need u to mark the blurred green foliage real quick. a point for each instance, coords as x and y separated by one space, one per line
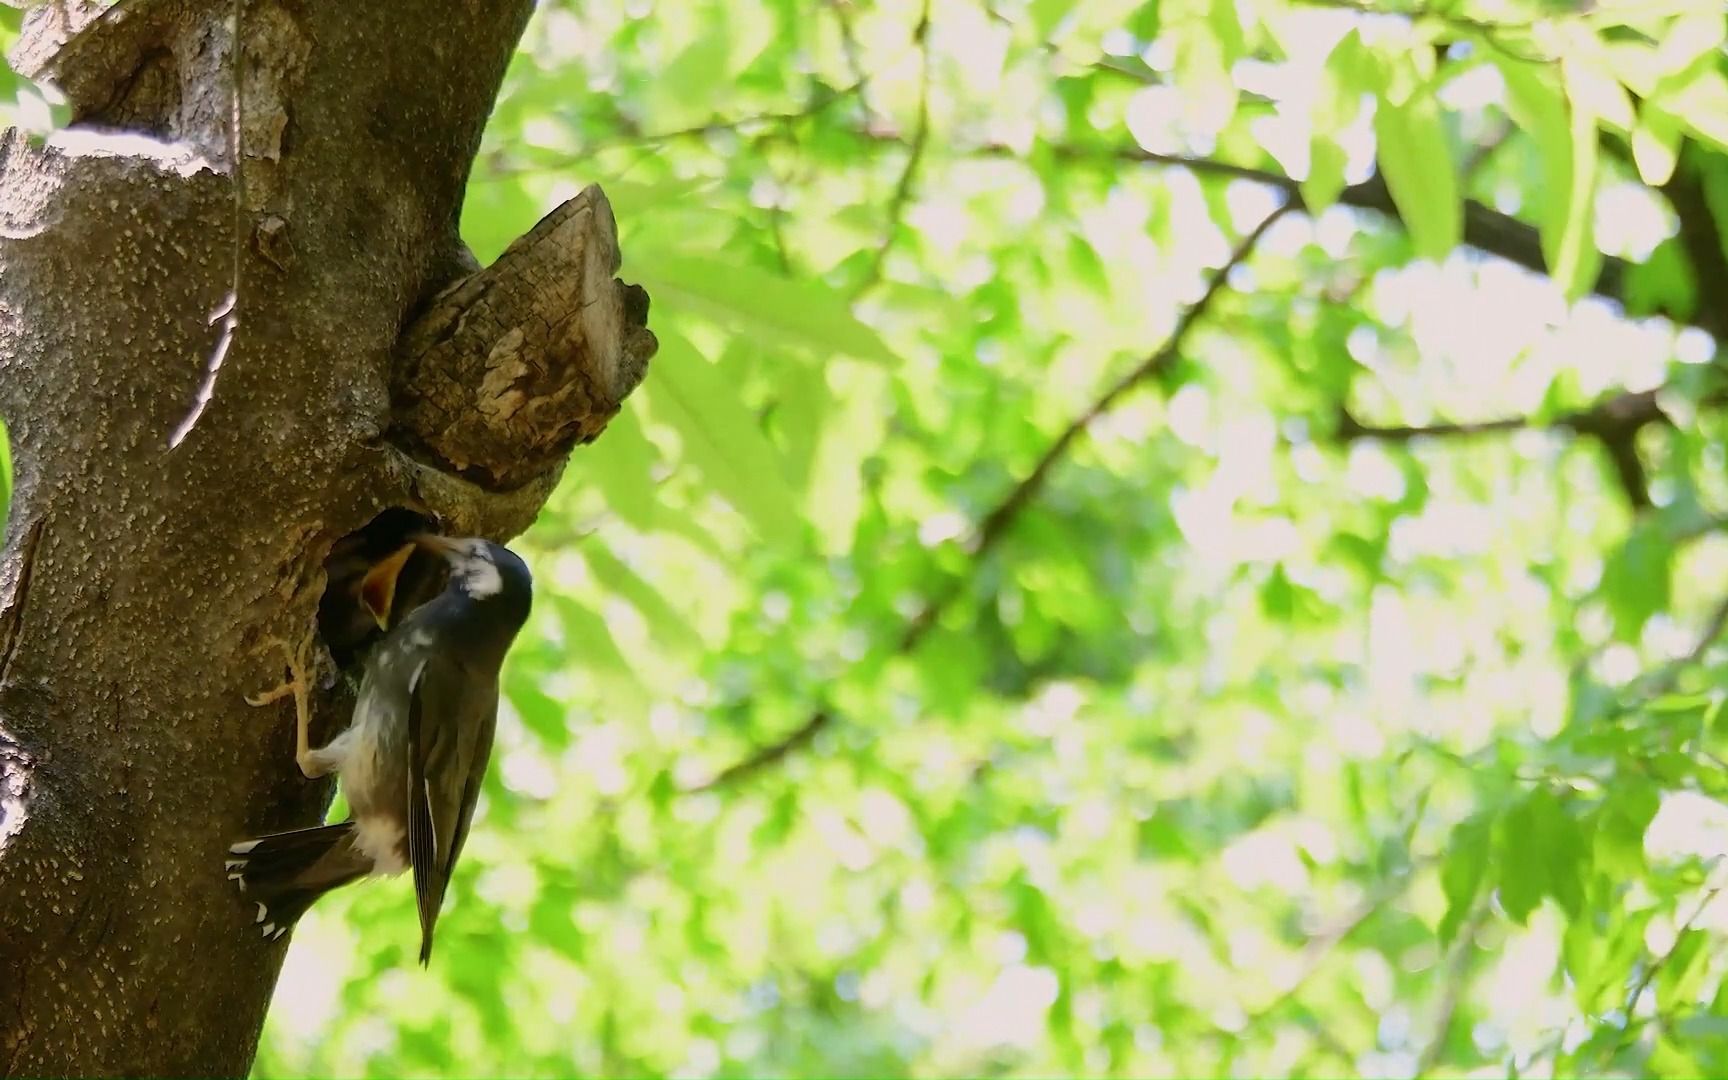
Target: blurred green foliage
1257 718
934 673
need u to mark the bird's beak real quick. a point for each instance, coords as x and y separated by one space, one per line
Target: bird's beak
378 587
443 545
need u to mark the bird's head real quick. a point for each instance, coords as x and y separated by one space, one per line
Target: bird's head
480 569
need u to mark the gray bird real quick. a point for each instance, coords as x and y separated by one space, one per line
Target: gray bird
412 761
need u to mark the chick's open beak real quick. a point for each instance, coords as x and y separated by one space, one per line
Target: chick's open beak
378 587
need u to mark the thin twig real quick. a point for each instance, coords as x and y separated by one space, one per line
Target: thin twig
820 101
818 104
1320 945
1656 965
849 45
1614 422
769 755
996 523
1665 678
1615 416
1485 229
1459 964
914 158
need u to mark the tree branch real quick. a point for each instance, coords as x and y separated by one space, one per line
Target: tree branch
1656 965
1458 969
1614 422
1485 229
1319 946
995 524
1665 678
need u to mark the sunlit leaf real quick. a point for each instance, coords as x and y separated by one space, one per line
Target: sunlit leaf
1636 579
722 439
804 313
669 628
1417 162
1351 72
1565 136
1462 874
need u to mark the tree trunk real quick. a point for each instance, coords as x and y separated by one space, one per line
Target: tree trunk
143 584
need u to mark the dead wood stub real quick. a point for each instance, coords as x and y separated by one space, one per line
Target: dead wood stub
514 365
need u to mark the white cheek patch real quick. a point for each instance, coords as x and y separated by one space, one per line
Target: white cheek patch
481 579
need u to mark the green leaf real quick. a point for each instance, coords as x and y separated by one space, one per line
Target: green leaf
721 438
1626 814
1462 872
621 463
1523 878
1541 853
1416 160
1277 597
1045 15
690 76
542 714
1203 69
1565 137
668 628
1144 23
1702 104
1636 579
1696 96
1351 71
1714 171
1655 145
632 202
1695 36
1600 951
802 409
803 313
495 211
1662 283
1678 983
593 648
1561 840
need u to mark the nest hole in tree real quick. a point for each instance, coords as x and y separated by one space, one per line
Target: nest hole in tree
345 622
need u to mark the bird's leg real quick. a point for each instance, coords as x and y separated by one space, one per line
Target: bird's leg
312 762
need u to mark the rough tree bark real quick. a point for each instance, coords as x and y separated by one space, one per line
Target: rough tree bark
141 585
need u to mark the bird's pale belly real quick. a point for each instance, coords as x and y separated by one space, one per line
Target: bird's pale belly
375 781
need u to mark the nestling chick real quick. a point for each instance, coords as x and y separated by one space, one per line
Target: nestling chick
412 761
373 577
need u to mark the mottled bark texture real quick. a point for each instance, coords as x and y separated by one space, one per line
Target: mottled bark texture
510 368
141 586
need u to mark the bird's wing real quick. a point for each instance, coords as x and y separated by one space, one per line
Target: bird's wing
480 755
451 716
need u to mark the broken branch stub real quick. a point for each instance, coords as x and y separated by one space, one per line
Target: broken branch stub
514 365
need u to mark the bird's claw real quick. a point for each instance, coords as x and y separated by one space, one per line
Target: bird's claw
270 696
299 662
299 685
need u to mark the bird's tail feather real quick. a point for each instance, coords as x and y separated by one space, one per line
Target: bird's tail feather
284 873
